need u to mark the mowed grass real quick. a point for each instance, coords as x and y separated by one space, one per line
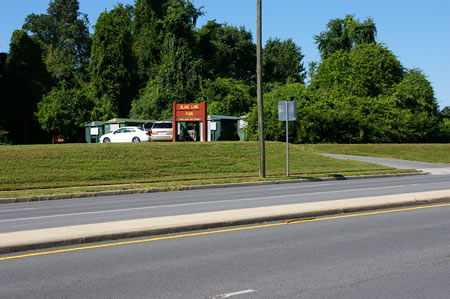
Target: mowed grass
434 153
32 170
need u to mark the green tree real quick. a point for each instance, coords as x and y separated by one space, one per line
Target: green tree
345 34
181 19
282 62
3 97
366 71
26 80
444 125
415 92
66 111
350 119
445 112
444 130
274 129
112 67
3 111
415 95
178 80
3 57
154 22
64 36
148 34
178 76
227 96
330 118
228 51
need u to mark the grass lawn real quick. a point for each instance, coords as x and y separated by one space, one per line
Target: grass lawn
32 170
435 153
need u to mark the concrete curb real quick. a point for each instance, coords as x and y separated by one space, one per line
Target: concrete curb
197 187
81 234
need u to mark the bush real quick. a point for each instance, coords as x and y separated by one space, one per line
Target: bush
3 139
65 111
275 129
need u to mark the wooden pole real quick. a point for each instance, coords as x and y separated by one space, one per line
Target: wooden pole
262 150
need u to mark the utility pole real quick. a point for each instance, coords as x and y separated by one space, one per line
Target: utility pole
259 90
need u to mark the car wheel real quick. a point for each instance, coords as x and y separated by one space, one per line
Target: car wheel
106 140
136 139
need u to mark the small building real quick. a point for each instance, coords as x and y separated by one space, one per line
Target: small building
222 127
93 131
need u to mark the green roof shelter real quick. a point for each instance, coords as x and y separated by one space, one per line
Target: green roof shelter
222 127
116 123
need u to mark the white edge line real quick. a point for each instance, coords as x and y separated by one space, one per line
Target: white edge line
16 210
234 294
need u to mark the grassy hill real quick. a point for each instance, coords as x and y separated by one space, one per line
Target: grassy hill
31 170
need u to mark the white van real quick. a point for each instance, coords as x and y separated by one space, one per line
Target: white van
162 131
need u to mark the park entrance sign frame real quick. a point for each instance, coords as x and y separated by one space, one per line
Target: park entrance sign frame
190 112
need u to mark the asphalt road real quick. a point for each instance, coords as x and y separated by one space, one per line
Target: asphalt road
403 254
59 213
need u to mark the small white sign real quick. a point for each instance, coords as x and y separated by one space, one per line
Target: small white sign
290 114
243 124
212 125
94 131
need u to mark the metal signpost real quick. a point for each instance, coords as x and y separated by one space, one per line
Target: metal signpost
287 111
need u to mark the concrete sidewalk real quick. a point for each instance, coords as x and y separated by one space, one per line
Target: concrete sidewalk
80 234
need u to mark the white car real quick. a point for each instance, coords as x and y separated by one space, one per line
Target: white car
126 134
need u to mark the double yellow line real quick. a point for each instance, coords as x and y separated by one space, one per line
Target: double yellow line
221 231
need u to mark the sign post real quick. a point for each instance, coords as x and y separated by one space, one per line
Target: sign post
287 111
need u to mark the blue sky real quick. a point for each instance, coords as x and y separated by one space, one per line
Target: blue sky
416 31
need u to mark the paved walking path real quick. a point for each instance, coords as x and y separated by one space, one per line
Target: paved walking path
431 168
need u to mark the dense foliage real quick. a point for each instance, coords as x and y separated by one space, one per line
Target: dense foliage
345 34
112 67
142 58
63 34
228 52
282 61
65 111
26 80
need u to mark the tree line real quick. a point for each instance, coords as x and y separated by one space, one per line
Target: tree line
140 59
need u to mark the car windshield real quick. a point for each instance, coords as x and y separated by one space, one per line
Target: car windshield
162 126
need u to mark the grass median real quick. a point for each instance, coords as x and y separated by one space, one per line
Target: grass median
35 170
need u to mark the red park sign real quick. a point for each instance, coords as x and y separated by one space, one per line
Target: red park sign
189 112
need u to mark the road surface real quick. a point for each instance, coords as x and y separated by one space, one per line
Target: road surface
402 254
59 213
